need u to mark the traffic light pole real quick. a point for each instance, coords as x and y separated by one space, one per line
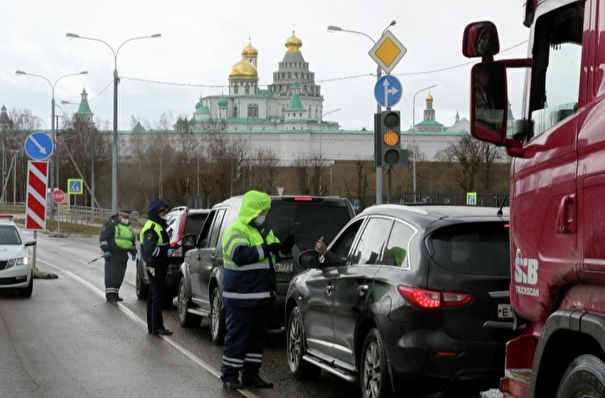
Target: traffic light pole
376 137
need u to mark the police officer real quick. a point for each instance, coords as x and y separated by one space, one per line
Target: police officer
155 250
250 249
116 241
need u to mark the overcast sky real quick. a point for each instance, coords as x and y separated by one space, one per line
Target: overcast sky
201 40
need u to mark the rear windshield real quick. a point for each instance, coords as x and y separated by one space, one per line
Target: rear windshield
316 219
473 248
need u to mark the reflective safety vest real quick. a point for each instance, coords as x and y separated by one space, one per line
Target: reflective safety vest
152 225
124 236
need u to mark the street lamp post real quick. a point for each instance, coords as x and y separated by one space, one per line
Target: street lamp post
52 102
333 28
116 80
414 137
320 149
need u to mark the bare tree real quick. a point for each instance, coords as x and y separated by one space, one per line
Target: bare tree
301 168
265 162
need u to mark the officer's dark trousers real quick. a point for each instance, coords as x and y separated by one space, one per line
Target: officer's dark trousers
244 342
115 269
155 300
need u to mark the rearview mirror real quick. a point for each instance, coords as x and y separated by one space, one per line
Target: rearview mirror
480 40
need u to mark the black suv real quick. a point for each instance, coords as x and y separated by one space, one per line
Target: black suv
409 299
181 222
200 289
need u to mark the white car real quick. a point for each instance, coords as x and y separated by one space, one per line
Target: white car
15 258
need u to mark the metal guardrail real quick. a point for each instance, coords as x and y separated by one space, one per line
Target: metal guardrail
72 214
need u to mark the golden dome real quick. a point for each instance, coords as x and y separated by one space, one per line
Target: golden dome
249 51
429 97
243 70
293 43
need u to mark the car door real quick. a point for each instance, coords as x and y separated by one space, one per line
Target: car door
317 312
352 286
209 254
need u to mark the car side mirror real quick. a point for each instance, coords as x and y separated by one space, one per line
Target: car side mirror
309 259
188 242
30 242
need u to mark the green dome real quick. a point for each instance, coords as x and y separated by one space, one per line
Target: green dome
223 102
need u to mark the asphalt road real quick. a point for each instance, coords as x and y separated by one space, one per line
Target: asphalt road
67 341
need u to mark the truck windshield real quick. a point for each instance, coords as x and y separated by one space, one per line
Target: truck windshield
557 55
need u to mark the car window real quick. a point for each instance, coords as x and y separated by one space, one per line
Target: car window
195 222
216 228
397 249
9 235
372 242
342 246
316 220
473 248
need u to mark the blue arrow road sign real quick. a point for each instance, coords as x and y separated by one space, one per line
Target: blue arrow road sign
388 91
39 145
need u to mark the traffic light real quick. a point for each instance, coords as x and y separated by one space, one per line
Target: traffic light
388 140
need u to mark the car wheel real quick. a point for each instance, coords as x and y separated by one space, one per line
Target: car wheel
217 319
142 289
373 372
186 319
584 377
27 291
295 349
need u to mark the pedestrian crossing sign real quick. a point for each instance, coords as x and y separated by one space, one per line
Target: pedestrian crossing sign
74 186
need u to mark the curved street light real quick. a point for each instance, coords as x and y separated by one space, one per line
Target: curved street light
52 112
333 29
414 136
116 80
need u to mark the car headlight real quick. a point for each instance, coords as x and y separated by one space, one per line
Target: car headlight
18 261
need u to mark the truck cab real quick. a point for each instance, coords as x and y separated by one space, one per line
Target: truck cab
557 186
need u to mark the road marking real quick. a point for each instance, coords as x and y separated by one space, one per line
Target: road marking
143 323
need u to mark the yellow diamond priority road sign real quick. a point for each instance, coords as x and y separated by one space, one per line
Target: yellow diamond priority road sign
387 51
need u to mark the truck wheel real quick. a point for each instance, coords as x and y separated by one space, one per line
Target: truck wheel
295 349
217 319
584 378
186 319
373 372
141 288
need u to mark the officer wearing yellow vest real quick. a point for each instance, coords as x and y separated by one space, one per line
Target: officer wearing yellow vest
250 250
156 252
116 241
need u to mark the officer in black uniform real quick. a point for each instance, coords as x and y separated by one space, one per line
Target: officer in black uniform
156 252
117 242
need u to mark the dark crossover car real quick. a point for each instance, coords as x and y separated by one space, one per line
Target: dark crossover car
410 299
181 221
200 288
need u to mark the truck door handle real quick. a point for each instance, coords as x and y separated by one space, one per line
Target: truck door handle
566 220
363 288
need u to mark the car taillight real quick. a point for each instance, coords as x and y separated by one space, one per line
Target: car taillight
303 199
433 299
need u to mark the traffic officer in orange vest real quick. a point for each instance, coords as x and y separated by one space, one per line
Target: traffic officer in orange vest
156 252
117 242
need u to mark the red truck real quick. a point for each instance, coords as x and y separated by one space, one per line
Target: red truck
557 193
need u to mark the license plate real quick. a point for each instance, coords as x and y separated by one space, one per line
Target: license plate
285 268
505 311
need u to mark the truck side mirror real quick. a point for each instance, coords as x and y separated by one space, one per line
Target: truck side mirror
489 103
480 40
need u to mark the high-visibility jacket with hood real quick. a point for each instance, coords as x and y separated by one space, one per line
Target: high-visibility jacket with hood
249 274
